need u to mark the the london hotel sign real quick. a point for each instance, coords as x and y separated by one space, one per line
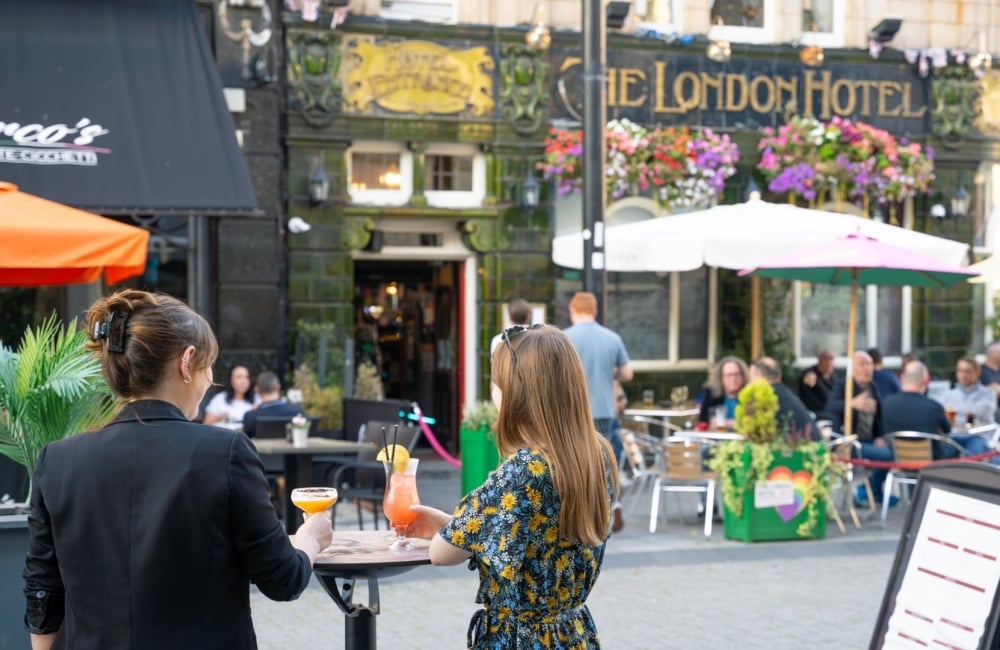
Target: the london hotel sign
648 87
748 93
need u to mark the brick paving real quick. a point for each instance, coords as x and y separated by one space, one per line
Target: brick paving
671 589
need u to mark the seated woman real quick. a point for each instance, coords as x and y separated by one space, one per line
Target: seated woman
728 377
231 404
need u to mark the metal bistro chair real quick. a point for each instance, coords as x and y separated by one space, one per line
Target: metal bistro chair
841 479
641 465
683 471
916 449
363 479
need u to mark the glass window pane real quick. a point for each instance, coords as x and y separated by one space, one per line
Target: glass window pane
694 314
448 173
638 308
817 15
824 319
375 171
739 13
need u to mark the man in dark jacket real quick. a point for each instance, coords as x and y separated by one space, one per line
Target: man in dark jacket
271 404
866 416
793 417
815 384
911 410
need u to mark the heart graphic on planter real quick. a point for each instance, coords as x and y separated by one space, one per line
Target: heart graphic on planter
800 483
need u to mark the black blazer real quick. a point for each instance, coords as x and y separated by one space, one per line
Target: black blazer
151 531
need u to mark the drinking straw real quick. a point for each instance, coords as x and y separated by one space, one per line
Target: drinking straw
395 430
385 444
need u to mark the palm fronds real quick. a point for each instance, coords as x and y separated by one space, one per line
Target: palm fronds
50 388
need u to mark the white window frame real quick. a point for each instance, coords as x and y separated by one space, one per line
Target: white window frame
765 34
835 38
399 196
393 12
458 198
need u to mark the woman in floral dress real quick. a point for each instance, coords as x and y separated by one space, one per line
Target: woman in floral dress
536 529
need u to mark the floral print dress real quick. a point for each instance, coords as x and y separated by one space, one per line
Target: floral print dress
532 584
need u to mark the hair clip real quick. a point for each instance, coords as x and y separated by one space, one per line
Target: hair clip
116 331
101 330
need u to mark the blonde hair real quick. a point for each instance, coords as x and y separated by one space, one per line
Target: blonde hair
545 406
154 329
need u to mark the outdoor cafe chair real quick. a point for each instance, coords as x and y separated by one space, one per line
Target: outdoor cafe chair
841 478
911 450
642 462
682 471
362 479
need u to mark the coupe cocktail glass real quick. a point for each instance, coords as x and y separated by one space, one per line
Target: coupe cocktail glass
400 494
312 500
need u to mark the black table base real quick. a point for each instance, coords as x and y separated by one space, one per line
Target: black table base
359 621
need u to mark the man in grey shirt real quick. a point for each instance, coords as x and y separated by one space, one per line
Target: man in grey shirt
604 358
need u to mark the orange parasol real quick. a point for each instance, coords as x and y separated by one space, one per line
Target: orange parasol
44 243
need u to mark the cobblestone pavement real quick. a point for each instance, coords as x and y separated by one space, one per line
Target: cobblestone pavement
671 589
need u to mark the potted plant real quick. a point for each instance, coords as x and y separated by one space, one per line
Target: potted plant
51 387
774 483
323 401
476 439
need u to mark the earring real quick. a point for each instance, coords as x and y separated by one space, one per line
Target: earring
187 379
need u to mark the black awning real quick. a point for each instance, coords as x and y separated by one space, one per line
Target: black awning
115 106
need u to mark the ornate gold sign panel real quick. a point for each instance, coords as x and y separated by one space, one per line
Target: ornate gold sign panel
987 105
417 77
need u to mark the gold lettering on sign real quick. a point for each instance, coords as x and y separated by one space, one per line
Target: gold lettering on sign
628 77
417 77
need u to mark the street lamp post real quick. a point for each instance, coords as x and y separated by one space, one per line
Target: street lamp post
594 119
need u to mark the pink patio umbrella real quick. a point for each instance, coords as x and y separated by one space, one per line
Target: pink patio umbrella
858 260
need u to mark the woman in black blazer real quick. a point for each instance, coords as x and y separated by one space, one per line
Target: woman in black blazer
147 533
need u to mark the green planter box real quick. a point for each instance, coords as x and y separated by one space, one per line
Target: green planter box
479 457
770 522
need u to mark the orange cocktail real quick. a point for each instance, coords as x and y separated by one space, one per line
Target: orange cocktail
314 500
400 494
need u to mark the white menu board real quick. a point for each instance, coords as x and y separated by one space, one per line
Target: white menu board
950 582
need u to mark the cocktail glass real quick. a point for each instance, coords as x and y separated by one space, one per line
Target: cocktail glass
400 494
312 500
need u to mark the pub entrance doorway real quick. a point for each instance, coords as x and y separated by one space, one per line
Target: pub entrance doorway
407 324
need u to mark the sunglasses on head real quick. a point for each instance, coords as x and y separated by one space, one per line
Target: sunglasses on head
513 332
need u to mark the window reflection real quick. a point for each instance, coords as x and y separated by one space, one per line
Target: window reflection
638 308
817 15
739 13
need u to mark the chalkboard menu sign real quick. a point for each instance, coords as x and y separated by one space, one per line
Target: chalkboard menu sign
943 589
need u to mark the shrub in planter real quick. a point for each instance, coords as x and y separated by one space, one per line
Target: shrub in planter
772 452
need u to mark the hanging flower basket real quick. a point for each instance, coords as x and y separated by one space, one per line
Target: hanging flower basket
673 165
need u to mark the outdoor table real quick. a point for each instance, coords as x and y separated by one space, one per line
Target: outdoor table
363 555
298 466
714 436
664 413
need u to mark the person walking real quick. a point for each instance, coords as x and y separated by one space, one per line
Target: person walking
148 532
519 312
536 530
605 359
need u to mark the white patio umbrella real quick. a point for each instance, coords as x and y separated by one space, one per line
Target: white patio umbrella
740 236
988 270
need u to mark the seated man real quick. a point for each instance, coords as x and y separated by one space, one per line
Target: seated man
815 384
271 404
793 417
972 403
911 410
866 417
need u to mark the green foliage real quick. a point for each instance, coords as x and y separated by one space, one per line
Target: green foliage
368 383
756 412
325 402
314 340
51 388
740 464
482 414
